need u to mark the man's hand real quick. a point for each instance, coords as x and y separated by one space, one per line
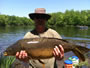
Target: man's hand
58 52
22 55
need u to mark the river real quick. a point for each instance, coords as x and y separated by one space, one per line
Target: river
9 35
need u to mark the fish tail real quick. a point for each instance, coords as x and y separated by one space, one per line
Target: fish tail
80 51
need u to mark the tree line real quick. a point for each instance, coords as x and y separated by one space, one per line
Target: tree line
69 17
6 20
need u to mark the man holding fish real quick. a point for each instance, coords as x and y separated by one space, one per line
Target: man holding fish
40 18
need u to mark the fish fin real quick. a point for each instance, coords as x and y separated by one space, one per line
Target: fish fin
83 49
80 51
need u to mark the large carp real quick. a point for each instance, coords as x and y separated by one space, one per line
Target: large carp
42 48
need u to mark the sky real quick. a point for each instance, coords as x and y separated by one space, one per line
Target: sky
22 8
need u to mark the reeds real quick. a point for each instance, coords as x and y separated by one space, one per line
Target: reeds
6 61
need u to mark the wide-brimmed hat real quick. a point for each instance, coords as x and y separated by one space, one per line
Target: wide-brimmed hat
39 12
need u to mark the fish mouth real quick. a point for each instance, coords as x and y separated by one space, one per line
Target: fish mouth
5 54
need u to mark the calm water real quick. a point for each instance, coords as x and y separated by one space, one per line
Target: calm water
9 35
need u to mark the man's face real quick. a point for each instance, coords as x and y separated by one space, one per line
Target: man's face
40 24
40 20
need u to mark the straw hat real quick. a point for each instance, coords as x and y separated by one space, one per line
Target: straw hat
39 12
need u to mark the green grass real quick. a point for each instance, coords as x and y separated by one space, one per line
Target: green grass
6 61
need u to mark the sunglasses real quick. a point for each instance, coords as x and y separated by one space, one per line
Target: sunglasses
40 17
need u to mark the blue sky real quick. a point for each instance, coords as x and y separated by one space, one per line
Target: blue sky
24 7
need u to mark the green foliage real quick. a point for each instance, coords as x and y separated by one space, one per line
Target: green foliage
6 20
69 17
6 61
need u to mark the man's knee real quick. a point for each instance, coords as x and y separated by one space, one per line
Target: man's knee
19 64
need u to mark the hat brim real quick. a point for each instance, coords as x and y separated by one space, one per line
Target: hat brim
33 15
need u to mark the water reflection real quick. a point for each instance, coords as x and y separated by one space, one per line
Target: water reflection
9 35
73 32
